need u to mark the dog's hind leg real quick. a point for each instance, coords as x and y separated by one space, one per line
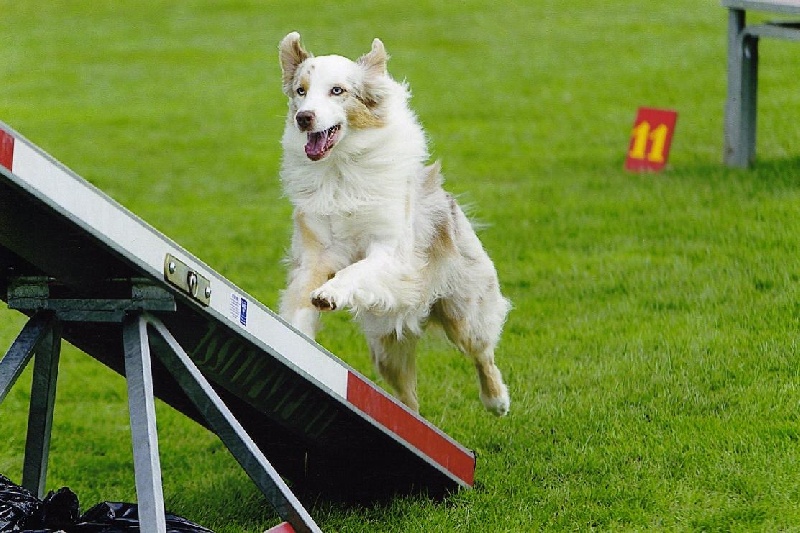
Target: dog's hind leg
475 331
395 361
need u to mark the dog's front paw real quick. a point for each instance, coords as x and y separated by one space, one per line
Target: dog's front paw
323 304
337 294
326 298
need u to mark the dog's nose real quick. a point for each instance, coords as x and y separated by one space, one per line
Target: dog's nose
305 120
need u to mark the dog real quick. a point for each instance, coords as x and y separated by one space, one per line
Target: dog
374 232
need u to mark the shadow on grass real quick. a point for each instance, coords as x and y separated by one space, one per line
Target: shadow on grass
783 172
230 504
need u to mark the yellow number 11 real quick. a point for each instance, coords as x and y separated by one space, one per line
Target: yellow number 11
642 134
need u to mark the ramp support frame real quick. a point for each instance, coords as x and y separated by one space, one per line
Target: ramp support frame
41 337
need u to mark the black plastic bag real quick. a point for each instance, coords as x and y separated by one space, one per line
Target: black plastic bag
108 517
59 510
21 511
16 505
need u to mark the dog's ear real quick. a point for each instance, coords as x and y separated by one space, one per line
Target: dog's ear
374 62
374 65
291 54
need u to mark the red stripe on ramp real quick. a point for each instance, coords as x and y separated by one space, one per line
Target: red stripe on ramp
395 418
6 150
285 527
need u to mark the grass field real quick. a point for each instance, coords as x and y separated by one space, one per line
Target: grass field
652 355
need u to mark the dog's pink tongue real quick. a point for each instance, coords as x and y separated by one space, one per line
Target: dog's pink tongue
315 147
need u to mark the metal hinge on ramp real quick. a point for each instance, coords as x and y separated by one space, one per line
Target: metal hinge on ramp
187 279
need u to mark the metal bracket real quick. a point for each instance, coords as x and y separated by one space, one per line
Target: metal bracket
187 279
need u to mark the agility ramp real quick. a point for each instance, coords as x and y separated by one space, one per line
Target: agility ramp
85 269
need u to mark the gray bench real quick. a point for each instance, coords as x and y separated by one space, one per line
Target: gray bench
740 106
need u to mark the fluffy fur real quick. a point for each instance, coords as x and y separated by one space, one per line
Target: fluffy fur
374 232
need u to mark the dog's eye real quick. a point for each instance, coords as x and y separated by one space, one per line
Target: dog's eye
301 91
337 91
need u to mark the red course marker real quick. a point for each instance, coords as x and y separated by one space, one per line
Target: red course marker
651 139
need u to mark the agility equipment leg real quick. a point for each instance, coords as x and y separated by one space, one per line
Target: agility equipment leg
40 335
220 419
141 402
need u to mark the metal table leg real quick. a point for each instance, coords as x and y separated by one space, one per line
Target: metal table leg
740 105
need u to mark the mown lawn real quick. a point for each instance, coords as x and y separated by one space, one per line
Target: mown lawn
652 353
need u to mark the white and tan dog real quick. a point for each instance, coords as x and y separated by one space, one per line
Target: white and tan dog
374 232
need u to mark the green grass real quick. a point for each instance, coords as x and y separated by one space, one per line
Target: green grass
652 354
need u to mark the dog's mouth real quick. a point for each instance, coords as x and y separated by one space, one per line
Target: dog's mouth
320 142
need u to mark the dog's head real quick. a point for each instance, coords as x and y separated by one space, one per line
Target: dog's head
330 96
